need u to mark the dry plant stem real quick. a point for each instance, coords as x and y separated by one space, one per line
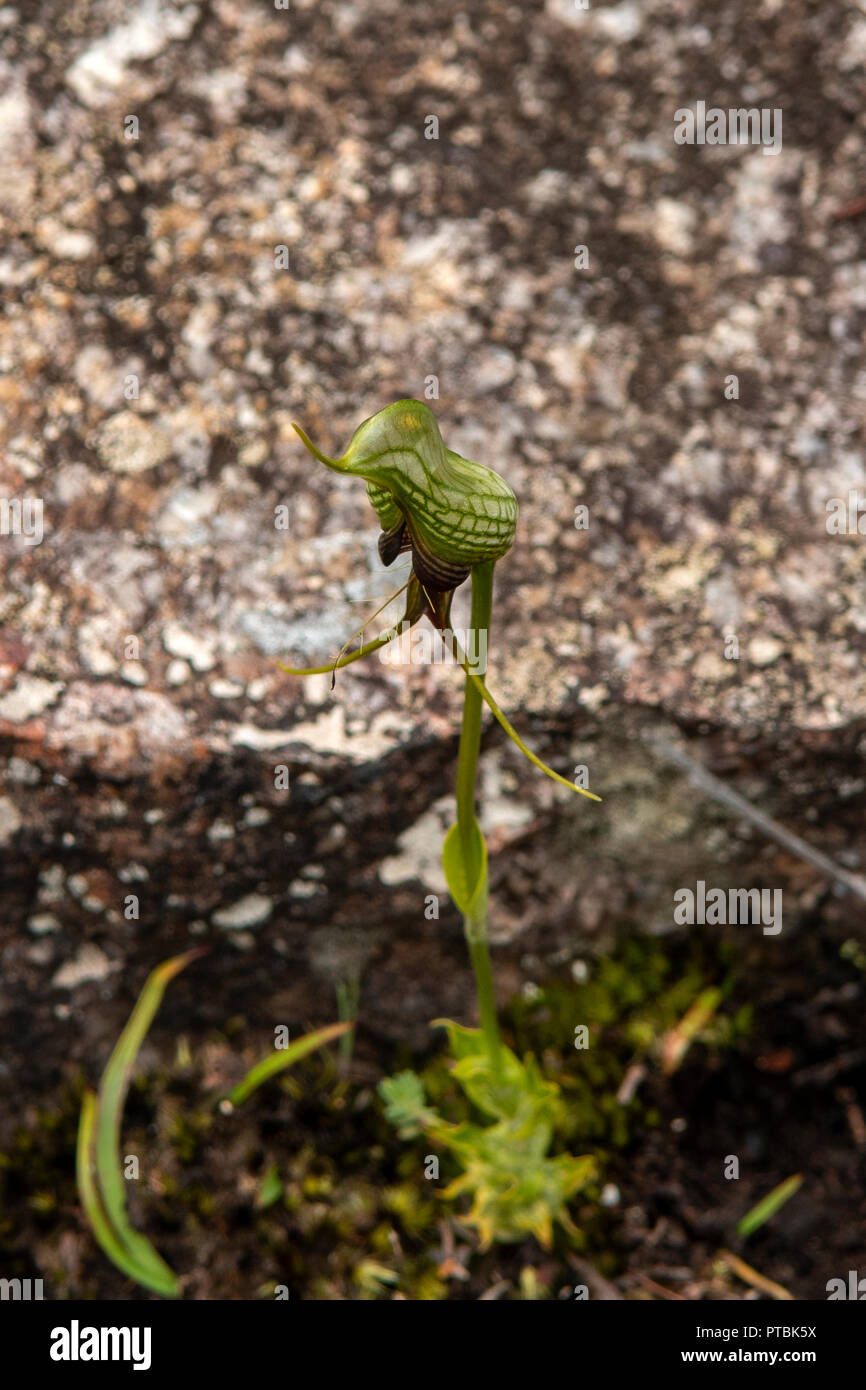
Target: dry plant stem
475 926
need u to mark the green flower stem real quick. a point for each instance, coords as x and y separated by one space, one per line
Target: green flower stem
475 925
470 733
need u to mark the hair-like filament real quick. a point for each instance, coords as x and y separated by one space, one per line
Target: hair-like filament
365 650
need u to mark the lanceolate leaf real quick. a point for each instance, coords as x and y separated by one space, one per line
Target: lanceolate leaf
279 1060
467 882
100 1172
98 1159
113 1242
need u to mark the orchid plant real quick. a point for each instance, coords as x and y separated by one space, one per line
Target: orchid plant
458 518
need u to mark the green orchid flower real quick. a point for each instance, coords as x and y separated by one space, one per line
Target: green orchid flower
451 513
456 517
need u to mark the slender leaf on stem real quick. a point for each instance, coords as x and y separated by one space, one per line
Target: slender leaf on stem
466 882
769 1205
279 1060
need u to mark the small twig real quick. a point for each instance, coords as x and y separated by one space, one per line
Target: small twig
751 1276
699 777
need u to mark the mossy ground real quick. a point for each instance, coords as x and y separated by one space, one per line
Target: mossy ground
307 1187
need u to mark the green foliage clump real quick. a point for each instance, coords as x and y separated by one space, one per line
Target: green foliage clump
628 1005
516 1188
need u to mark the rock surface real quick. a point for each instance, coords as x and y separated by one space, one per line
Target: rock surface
154 353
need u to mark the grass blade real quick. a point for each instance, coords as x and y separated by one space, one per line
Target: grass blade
751 1276
278 1061
769 1205
99 1169
105 1235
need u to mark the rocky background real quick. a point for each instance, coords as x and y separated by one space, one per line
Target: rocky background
220 217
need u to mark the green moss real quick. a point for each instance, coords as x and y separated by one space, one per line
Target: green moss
409 1204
